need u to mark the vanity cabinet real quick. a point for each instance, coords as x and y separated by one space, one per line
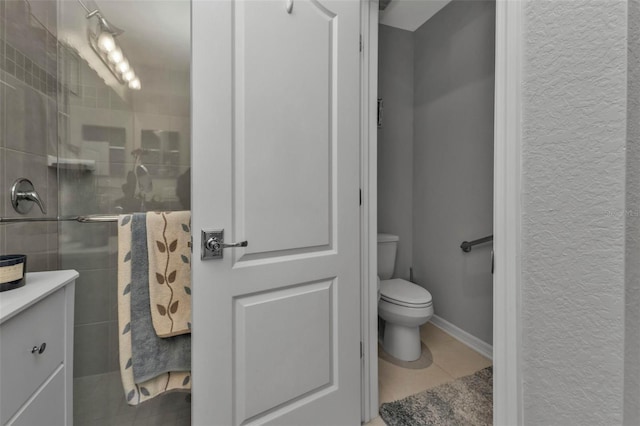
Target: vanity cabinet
36 351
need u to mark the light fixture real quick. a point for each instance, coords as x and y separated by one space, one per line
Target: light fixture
123 66
103 42
129 75
134 84
106 43
115 56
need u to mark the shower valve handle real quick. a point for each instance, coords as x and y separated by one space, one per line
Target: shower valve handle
24 196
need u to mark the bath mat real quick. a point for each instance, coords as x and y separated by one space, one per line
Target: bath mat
425 360
168 238
465 401
152 355
136 393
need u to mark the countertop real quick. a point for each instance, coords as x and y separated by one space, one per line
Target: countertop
39 285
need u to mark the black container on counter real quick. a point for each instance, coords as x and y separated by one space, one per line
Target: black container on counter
13 268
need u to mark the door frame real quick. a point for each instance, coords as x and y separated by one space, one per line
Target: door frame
507 281
369 210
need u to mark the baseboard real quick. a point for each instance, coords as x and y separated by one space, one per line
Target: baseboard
461 335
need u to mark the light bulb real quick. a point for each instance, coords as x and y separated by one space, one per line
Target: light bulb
134 84
115 55
123 66
106 42
129 75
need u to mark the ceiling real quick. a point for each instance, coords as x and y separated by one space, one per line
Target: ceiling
410 14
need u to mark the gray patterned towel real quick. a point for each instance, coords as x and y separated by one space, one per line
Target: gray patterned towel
137 393
152 355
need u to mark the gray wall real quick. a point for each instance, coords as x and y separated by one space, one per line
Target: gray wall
632 313
453 162
395 141
28 125
573 199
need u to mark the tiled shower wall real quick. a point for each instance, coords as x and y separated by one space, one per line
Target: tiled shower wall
95 113
53 105
90 248
28 124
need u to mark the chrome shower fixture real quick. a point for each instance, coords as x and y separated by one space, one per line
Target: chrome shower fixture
103 42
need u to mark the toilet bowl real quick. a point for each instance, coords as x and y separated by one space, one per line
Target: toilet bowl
403 305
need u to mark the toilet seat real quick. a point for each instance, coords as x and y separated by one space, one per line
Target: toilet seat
404 293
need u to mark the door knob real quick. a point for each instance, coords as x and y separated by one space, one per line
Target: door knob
39 349
213 244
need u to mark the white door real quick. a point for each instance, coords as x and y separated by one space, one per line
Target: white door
276 325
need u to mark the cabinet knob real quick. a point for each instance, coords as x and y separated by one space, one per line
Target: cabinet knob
39 349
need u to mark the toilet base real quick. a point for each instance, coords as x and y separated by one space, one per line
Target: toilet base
402 342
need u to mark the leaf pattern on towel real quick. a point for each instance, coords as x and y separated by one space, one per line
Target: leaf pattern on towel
171 277
169 238
137 393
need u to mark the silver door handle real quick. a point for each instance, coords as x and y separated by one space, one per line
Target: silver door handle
214 244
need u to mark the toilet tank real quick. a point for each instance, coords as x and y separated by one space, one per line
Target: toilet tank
387 246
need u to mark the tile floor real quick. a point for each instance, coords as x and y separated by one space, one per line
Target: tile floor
451 360
99 401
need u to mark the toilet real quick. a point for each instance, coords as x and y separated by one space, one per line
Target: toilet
403 305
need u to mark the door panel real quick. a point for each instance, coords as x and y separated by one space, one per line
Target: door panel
284 127
279 360
276 330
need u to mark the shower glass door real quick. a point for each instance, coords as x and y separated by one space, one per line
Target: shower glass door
123 146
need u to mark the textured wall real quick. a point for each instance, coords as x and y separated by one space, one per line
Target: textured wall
395 140
453 162
28 125
632 313
573 223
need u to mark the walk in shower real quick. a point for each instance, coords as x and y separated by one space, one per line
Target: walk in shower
95 112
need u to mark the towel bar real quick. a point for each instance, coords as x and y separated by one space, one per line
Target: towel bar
82 219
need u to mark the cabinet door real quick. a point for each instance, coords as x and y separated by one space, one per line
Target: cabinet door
47 407
22 370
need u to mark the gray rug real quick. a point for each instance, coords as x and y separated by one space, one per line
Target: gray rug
465 401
